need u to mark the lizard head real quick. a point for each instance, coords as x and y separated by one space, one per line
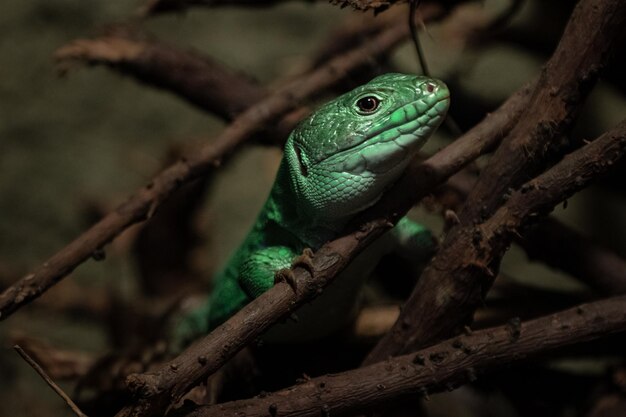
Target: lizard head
342 158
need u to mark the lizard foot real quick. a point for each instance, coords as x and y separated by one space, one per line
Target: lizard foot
286 275
305 261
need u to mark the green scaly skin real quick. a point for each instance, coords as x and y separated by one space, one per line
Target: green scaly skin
336 163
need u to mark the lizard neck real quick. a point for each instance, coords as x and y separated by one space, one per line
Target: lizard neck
283 209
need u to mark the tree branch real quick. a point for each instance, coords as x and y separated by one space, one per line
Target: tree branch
454 283
444 366
190 75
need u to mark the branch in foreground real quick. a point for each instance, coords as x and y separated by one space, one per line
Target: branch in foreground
144 202
155 390
453 284
442 367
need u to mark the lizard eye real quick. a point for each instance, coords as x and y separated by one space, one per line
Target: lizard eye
368 105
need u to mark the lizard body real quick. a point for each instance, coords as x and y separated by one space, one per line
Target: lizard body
336 163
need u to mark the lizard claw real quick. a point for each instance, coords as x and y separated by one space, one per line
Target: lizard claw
305 261
286 275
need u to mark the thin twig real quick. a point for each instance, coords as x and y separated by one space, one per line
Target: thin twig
49 381
415 37
450 122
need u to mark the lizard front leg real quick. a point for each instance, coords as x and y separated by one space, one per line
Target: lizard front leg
258 273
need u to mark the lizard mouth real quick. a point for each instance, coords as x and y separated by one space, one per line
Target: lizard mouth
393 139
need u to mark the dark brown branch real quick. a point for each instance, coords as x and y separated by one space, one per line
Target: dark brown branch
49 381
453 285
157 389
195 77
438 368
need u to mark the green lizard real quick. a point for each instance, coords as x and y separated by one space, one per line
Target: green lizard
336 163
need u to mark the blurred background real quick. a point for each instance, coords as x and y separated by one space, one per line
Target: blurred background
74 147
